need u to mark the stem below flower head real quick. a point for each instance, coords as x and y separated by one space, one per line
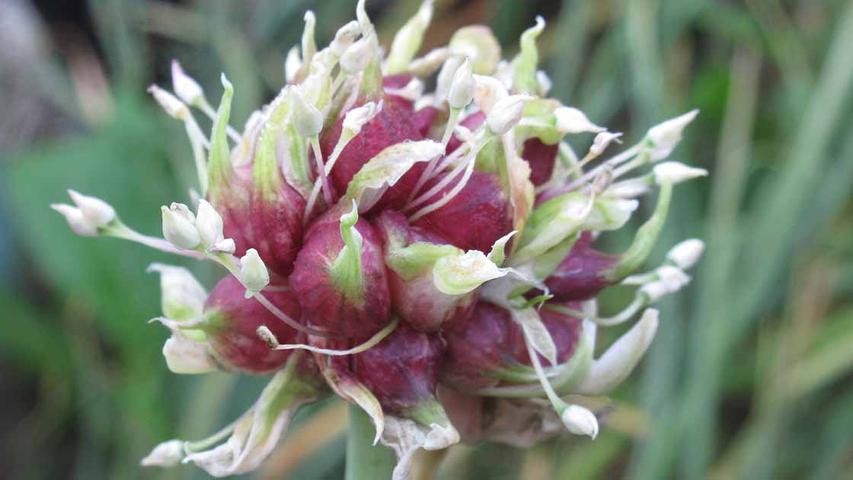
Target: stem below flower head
365 461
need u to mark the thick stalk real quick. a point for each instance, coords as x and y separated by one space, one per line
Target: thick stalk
364 460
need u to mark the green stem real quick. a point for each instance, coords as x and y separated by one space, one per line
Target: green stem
364 460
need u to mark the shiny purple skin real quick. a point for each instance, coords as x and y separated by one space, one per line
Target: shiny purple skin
475 218
475 346
401 370
234 321
393 124
276 225
489 340
324 306
416 301
541 158
582 274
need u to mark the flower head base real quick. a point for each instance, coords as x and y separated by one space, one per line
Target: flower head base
414 243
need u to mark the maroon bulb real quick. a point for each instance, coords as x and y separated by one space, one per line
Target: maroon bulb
541 158
327 306
475 218
233 321
583 273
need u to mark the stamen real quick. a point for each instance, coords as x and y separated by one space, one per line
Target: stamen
449 195
321 170
444 181
267 336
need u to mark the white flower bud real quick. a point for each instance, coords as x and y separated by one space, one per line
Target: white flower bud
665 136
572 120
357 118
445 77
185 356
487 92
669 280
685 254
544 83
307 119
208 222
602 141
185 86
506 113
170 103
167 454
76 221
292 64
461 87
580 421
676 172
96 211
358 55
631 188
179 226
253 272
673 278
182 297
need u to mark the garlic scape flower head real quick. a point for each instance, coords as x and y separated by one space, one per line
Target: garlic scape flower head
419 254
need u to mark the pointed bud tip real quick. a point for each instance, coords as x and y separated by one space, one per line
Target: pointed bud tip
580 421
675 172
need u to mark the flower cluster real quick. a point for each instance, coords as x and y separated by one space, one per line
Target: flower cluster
429 257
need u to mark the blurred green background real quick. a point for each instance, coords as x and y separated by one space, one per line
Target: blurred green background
750 376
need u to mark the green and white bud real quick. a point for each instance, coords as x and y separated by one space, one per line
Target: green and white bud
446 76
182 297
186 356
665 136
170 103
506 113
487 92
253 272
208 222
96 211
186 88
179 226
572 120
580 421
461 90
408 40
685 254
166 454
76 221
675 172
479 45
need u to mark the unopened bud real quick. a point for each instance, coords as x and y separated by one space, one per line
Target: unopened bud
253 272
445 77
461 87
76 221
226 245
209 224
665 136
307 119
487 92
676 172
672 277
572 120
167 454
179 226
182 297
185 86
506 113
685 254
186 356
580 421
170 103
96 211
